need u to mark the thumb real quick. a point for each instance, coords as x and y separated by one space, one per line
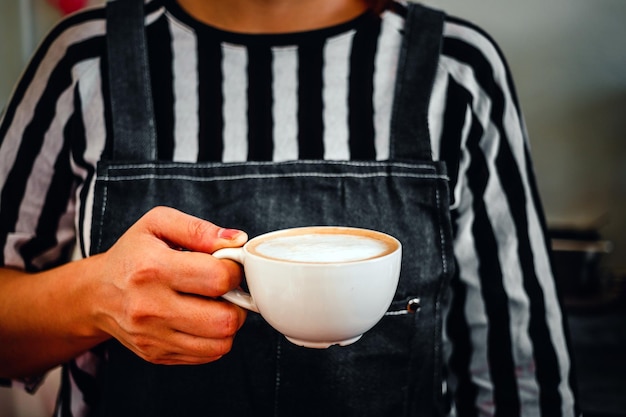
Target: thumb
231 238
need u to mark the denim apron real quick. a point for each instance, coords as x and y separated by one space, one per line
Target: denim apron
396 367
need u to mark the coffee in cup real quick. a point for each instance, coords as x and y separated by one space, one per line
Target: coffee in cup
319 285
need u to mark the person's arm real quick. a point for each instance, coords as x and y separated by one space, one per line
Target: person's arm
140 291
158 300
509 353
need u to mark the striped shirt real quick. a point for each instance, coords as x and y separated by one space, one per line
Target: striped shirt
232 97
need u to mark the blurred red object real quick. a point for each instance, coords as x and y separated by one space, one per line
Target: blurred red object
68 6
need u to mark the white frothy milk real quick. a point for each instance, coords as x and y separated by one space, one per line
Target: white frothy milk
326 248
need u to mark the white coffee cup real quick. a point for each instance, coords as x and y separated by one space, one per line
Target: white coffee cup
320 285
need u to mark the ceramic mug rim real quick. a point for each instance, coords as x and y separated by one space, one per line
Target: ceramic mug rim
395 244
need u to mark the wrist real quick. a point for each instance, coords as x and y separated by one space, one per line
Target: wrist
81 294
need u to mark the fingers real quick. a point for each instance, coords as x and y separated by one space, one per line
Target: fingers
200 273
191 270
185 231
162 286
205 318
177 348
203 333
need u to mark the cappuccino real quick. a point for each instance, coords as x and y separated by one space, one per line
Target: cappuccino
329 285
323 245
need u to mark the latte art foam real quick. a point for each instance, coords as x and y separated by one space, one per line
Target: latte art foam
323 248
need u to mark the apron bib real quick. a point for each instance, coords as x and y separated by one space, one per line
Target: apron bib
396 367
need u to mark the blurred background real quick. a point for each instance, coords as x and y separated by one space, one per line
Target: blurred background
568 60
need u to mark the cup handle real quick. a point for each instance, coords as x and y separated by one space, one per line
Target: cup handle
236 296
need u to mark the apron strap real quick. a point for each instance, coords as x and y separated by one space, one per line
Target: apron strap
419 57
132 111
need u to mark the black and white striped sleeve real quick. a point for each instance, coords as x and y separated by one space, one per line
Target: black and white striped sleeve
41 146
508 352
42 149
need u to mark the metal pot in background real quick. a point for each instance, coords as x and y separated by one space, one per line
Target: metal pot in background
577 262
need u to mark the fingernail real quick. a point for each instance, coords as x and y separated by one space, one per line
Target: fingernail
229 234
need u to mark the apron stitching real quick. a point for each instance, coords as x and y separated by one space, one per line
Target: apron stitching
438 348
113 178
167 165
442 238
101 223
277 381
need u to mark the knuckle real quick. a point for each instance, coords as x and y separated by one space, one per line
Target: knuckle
136 314
141 270
223 277
230 322
222 282
143 345
153 215
222 347
225 320
147 350
157 212
198 230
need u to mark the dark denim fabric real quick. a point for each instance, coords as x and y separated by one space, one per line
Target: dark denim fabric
394 370
394 367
